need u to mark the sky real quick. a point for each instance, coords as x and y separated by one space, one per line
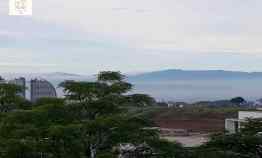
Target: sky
87 36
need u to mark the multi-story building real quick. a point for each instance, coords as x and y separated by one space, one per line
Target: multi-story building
2 80
20 82
235 125
42 89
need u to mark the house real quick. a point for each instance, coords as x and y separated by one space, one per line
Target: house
171 104
235 125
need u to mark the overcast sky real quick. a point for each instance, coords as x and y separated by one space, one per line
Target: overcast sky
85 36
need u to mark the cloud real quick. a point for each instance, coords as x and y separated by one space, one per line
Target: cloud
17 64
120 9
87 35
197 25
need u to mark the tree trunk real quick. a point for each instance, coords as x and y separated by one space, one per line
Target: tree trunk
92 151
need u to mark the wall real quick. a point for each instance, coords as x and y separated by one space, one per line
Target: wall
249 114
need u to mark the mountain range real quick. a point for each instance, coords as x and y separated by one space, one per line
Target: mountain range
176 74
163 75
198 85
177 85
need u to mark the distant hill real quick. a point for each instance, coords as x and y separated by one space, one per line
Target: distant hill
176 74
175 85
193 86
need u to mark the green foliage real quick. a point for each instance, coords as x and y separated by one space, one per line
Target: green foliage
242 144
237 143
205 152
99 98
8 96
49 101
88 123
252 127
23 104
110 76
141 100
133 130
238 100
97 116
167 149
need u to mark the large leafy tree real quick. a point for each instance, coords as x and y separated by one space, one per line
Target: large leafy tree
102 97
47 130
238 100
88 123
102 101
8 96
141 100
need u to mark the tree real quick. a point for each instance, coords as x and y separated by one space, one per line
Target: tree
252 127
167 149
49 101
242 144
236 143
110 76
238 100
8 96
49 130
102 122
87 124
141 100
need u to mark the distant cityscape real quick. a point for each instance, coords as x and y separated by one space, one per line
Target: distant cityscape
39 88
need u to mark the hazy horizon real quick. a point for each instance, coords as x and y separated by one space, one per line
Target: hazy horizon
178 86
125 73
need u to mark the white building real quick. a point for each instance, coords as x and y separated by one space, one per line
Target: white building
235 125
42 89
171 104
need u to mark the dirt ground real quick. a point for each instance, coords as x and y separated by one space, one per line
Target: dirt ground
193 125
189 141
203 120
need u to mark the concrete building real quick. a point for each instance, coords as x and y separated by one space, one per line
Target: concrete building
41 89
20 82
2 80
235 125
